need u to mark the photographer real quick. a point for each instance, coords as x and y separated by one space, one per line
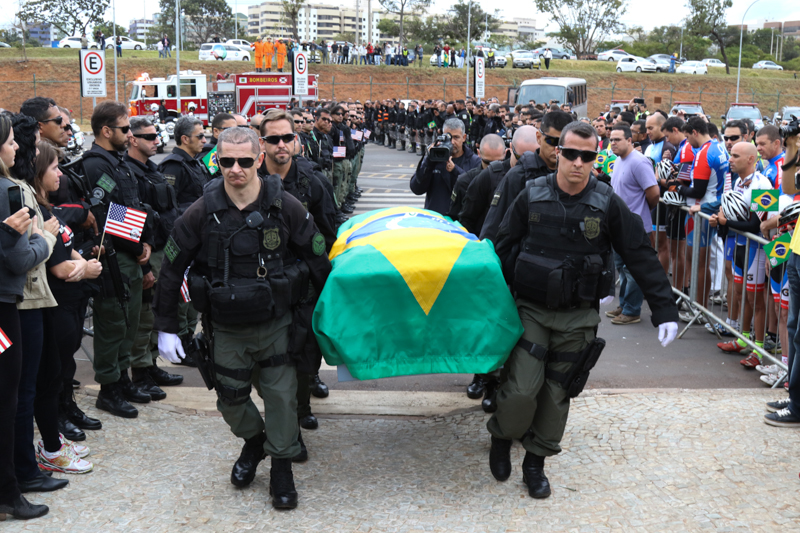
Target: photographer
435 179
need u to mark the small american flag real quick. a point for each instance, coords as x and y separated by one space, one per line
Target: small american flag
125 222
339 152
5 342
185 288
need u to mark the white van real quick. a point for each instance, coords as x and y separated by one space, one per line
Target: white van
561 90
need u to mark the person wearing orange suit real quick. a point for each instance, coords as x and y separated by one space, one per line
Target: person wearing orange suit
269 51
280 51
258 46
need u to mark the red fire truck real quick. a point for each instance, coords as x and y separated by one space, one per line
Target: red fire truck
248 93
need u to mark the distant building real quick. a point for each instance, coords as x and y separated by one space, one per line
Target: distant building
44 33
139 29
314 22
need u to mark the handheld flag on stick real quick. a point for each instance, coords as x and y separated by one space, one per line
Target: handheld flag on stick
778 250
210 161
5 342
125 222
765 200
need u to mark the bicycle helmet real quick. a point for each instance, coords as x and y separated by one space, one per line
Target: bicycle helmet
664 169
734 206
674 198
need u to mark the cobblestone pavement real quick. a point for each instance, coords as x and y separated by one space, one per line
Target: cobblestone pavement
642 461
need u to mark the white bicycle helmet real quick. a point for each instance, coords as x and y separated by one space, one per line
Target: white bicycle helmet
674 198
734 206
664 169
153 107
791 211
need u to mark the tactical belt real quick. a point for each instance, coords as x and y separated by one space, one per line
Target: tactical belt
244 374
543 354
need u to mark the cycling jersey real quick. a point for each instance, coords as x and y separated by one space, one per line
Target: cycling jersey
710 165
773 170
755 182
660 150
684 160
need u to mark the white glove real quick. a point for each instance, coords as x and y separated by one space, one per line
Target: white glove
666 333
606 300
171 349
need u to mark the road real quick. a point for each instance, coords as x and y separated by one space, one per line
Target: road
633 358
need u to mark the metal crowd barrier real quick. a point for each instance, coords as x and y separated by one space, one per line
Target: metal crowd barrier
701 272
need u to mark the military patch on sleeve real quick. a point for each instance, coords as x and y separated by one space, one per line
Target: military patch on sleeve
278 203
318 244
106 183
171 250
453 196
170 179
496 198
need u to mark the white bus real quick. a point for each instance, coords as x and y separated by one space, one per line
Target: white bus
560 90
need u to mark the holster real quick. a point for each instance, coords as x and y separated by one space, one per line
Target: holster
303 347
575 380
200 351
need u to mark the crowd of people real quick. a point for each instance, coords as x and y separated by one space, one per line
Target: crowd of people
545 186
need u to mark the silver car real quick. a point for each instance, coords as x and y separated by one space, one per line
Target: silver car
525 60
767 65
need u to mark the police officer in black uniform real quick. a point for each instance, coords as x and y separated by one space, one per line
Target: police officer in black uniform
188 176
253 250
492 150
402 132
159 198
411 127
553 245
111 180
221 122
539 163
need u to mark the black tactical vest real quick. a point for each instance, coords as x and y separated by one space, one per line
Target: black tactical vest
121 187
246 276
563 261
194 170
300 188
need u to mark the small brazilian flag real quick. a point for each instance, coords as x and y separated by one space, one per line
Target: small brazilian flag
765 200
432 124
778 250
210 161
605 162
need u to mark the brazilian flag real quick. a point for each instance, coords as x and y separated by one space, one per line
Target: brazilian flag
765 200
778 250
210 161
411 292
605 162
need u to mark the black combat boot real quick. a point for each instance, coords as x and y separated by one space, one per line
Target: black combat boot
301 457
500 458
22 509
163 378
130 391
476 389
489 403
144 382
244 469
281 484
68 429
74 413
308 422
110 399
533 476
402 146
318 388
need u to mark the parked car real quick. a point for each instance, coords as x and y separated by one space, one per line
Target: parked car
558 53
710 62
636 64
75 42
126 42
500 60
692 67
785 115
222 52
612 55
662 65
691 109
743 110
525 60
241 43
4 45
767 65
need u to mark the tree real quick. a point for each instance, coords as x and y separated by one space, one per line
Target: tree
460 17
583 24
707 18
70 16
400 8
290 16
389 27
202 19
108 29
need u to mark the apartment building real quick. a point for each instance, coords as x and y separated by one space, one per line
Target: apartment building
139 29
315 22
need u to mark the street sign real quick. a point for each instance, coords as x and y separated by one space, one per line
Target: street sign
93 73
480 77
300 74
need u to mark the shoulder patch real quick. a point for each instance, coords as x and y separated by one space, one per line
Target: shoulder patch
318 244
170 178
106 183
171 250
496 198
278 203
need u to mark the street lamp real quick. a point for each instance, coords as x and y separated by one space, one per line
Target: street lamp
741 36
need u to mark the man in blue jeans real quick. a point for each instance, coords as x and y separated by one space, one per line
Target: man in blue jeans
786 412
634 181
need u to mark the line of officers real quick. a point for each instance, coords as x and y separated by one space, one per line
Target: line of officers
284 252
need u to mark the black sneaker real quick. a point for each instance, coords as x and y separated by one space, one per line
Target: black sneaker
777 405
783 419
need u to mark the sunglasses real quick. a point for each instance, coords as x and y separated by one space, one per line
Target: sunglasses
58 120
201 136
552 141
298 121
571 154
146 136
276 139
732 137
324 119
123 129
244 162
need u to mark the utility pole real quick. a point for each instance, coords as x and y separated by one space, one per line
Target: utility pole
236 19
369 21
469 48
178 54
680 54
358 24
114 48
771 39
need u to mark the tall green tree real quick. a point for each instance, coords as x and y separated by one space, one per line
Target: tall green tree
107 28
69 16
459 17
290 16
401 8
707 18
583 24
202 19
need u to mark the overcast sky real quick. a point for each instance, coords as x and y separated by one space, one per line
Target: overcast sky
639 13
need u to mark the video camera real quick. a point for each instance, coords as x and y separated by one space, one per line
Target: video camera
791 129
440 152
